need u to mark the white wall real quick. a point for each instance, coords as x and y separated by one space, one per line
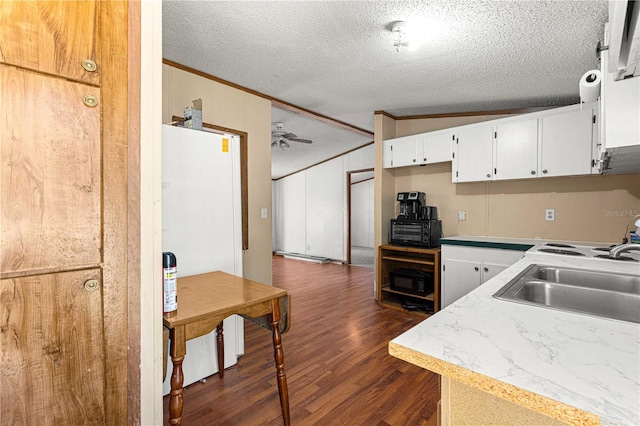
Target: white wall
362 214
310 207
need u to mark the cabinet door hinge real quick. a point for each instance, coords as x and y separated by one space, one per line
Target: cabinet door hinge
457 140
456 174
443 267
453 155
594 119
453 137
391 147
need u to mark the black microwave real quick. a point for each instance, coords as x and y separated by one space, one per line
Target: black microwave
411 281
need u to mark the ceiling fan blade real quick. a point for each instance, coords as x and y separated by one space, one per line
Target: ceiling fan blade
289 135
300 140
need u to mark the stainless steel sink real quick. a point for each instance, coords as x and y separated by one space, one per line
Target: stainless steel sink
608 295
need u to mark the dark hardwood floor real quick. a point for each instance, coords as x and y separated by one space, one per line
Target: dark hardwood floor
338 368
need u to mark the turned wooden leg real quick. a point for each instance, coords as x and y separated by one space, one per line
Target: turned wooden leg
220 341
176 401
279 357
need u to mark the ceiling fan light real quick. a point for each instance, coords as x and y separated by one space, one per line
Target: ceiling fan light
284 145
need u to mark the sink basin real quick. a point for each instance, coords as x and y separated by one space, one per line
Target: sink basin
608 295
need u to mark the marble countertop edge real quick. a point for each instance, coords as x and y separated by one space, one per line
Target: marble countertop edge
524 398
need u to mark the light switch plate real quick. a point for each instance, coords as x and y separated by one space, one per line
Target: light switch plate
263 213
462 215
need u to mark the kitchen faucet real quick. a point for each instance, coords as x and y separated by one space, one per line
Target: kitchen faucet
617 250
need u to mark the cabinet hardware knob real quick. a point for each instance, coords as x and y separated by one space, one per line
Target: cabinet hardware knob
533 172
476 268
91 285
425 159
486 269
544 171
414 160
89 65
488 175
90 100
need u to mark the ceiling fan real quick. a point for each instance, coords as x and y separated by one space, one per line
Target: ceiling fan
281 138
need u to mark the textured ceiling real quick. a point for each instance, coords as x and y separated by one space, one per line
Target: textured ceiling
337 58
328 141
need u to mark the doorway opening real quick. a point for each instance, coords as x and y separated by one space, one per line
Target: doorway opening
360 250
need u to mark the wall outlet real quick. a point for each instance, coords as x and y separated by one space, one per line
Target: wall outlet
462 215
550 215
263 213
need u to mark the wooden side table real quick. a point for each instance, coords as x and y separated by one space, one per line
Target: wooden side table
204 301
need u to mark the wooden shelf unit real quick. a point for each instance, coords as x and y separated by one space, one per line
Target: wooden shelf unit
391 258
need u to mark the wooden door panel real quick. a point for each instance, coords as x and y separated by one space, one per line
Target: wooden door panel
53 37
50 173
52 350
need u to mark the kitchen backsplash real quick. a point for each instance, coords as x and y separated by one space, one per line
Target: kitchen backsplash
587 208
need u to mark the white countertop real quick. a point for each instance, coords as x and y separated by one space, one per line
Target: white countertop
587 362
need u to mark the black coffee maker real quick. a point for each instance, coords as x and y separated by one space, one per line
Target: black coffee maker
411 205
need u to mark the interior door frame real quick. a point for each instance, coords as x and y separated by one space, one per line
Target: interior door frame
349 173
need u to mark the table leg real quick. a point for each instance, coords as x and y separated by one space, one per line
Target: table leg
279 358
220 341
178 351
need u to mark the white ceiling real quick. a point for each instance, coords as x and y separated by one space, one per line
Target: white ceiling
337 58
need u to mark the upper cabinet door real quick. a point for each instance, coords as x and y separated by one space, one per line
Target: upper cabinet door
387 154
50 173
53 37
566 143
474 154
435 147
516 150
403 151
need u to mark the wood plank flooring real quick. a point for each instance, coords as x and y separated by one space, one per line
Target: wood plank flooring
338 368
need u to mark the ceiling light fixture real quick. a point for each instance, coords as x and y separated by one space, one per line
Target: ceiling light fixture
399 29
283 144
410 35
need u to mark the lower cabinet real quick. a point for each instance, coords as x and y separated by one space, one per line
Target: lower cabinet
398 262
465 268
53 349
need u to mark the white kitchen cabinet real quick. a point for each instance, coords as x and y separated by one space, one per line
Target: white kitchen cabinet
403 151
473 160
387 154
465 268
435 147
567 142
420 149
516 150
619 136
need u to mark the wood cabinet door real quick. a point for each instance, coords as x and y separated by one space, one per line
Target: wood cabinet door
50 173
68 182
52 37
52 349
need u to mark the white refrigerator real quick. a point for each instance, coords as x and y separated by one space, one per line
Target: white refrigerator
201 225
